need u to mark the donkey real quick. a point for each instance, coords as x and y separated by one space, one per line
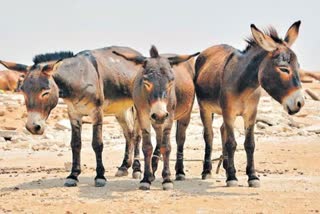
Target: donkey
93 83
10 80
161 95
228 82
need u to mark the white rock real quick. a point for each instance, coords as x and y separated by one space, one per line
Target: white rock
67 166
63 125
313 128
48 136
2 140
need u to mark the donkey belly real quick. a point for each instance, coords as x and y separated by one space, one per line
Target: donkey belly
112 107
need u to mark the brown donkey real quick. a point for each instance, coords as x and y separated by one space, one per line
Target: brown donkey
228 82
10 80
93 83
161 95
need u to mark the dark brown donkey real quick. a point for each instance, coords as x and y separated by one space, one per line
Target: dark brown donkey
228 82
91 83
161 95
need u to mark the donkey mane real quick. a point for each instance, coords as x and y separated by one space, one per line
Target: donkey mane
270 31
52 56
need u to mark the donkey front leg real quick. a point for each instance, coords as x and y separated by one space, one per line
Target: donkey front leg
165 150
76 125
97 145
147 148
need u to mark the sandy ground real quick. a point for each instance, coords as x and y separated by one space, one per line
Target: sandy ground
33 168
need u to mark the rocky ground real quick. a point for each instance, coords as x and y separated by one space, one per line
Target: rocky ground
33 168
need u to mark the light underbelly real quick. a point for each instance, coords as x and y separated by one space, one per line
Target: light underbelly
115 106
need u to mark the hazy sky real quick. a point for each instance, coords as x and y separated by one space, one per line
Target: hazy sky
32 27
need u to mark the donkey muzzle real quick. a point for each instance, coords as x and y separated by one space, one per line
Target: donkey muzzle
159 112
35 124
294 102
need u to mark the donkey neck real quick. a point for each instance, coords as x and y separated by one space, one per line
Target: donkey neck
251 60
64 89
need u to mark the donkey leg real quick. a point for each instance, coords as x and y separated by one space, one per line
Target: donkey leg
76 125
249 146
97 145
136 166
224 149
156 154
230 146
207 118
126 123
182 125
147 151
165 150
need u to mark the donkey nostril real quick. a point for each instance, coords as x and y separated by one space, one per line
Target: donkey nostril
154 116
166 116
37 128
299 104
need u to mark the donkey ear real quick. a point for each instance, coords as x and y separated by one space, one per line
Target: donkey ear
15 66
154 52
181 58
292 33
263 40
51 68
139 60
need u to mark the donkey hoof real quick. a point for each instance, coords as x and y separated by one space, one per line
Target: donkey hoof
144 186
70 182
121 173
99 182
136 175
254 183
180 177
167 186
232 183
206 176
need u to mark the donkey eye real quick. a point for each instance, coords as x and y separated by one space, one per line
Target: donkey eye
284 69
45 94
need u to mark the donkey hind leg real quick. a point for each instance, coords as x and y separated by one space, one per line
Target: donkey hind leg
97 145
182 125
224 149
126 122
136 166
76 125
249 146
230 147
207 118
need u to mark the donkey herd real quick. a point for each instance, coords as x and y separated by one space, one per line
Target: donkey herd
144 92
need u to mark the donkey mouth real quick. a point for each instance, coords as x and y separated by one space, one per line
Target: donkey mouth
292 112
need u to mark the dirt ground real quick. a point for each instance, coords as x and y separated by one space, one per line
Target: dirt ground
33 168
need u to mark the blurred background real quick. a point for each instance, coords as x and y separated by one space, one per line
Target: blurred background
32 27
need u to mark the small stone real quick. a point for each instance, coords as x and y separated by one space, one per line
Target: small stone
67 166
261 125
63 125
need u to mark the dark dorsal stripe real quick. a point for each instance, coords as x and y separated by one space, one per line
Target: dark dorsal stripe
228 60
52 56
249 78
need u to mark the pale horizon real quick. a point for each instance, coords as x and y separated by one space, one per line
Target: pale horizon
34 27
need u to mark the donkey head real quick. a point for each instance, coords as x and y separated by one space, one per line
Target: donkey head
278 72
158 81
40 92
